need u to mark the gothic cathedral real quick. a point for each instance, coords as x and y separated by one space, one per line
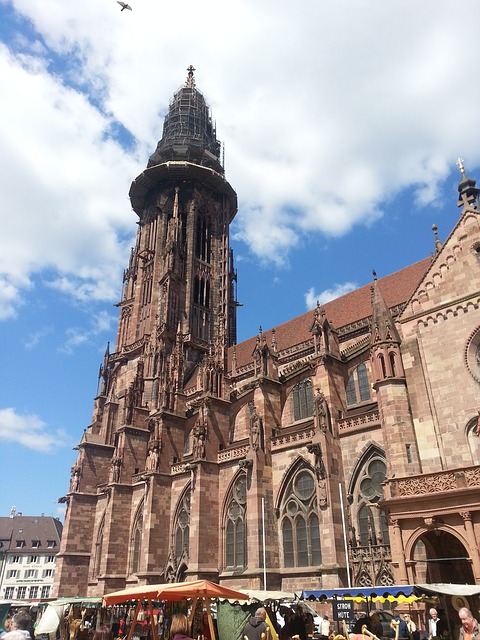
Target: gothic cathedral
345 440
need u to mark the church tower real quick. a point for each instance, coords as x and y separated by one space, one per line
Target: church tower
391 388
177 318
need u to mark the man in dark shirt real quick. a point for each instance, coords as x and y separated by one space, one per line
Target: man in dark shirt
256 626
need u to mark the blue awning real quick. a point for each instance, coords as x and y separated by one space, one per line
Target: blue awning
359 592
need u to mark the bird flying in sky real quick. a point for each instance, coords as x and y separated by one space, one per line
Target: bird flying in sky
124 5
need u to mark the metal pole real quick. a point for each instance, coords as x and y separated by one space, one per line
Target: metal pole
345 540
264 553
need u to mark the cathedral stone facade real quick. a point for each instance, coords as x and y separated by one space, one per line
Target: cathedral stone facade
343 441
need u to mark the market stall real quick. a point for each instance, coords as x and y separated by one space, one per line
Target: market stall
195 591
232 614
73 616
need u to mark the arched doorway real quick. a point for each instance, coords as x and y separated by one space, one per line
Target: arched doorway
441 557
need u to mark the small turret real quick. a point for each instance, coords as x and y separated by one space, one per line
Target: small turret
467 190
385 340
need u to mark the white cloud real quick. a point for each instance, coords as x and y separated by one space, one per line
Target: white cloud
101 322
326 114
312 298
30 431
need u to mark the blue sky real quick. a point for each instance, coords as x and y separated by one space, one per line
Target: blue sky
341 123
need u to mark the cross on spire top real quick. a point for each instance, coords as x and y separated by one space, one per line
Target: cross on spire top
461 166
190 78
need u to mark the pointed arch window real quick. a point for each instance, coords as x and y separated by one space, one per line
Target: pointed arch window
473 438
99 549
358 386
393 364
372 523
299 521
137 535
181 527
235 525
203 238
302 394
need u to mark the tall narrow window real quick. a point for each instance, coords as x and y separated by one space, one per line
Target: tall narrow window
358 386
203 239
393 366
235 529
351 392
383 369
363 385
299 521
99 549
181 528
302 400
365 521
137 541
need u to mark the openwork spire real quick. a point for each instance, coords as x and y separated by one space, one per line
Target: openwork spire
189 134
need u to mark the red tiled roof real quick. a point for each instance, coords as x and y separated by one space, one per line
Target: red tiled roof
396 289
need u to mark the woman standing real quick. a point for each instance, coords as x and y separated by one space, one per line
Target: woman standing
179 627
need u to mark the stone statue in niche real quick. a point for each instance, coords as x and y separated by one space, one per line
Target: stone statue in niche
320 473
320 411
200 436
115 468
151 463
76 472
256 429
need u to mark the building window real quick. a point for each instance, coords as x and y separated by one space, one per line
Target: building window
203 238
31 573
22 593
51 544
33 592
98 549
47 573
302 400
372 527
20 544
181 527
137 541
358 386
33 559
13 573
9 593
50 559
35 544
16 559
235 525
45 592
300 526
473 438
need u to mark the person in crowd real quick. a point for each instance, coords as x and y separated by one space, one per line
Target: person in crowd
284 633
470 629
256 626
402 629
179 627
309 625
20 626
206 634
412 627
436 626
375 624
297 626
103 633
325 628
362 620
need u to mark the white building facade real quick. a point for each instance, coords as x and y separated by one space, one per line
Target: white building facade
28 549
